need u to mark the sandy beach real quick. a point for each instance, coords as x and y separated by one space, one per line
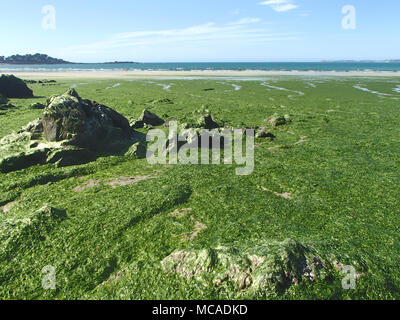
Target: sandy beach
138 74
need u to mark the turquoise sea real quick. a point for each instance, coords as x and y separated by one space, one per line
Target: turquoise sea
187 66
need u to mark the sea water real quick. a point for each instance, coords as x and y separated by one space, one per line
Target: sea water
206 66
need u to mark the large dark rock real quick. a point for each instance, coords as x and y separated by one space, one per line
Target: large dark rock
13 87
72 131
84 123
3 100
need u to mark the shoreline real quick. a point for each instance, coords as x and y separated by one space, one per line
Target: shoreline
139 74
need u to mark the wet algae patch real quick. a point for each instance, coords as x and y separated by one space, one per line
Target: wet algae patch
323 196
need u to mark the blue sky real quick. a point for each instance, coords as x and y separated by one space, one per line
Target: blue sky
202 30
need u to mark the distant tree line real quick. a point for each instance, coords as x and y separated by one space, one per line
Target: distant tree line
31 59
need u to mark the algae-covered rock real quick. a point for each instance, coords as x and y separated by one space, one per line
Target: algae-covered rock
264 133
278 120
287 264
136 124
147 118
16 153
13 87
37 105
163 101
84 123
206 121
23 233
72 131
269 269
151 118
200 119
189 263
23 160
34 127
69 156
137 151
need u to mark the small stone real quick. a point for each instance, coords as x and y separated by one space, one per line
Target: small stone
137 151
37 105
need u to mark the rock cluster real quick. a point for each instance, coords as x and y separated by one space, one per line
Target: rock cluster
84 123
200 119
71 131
270 269
40 81
13 87
278 120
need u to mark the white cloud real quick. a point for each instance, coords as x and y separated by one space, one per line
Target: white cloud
195 30
245 21
210 35
280 5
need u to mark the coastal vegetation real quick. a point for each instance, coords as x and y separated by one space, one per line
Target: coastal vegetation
31 59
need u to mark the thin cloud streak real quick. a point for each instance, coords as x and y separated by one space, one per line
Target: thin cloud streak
240 30
245 21
280 5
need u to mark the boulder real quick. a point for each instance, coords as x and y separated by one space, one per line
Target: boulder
72 131
84 123
270 268
3 99
151 118
13 87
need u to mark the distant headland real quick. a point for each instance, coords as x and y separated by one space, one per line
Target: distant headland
361 61
39 58
32 59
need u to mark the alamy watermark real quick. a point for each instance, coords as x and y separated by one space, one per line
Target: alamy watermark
349 21
49 20
191 146
49 278
350 278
